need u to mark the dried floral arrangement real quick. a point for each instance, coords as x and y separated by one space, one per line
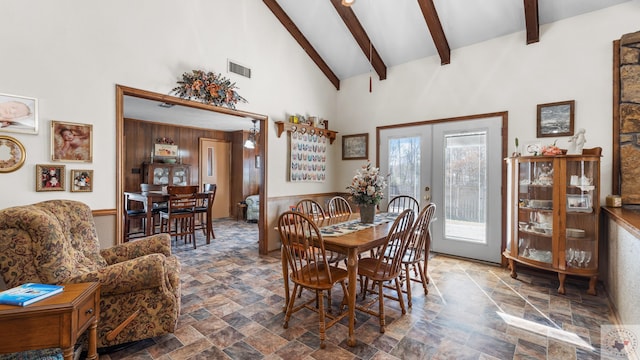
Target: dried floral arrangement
209 88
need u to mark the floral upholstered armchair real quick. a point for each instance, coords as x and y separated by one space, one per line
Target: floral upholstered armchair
253 207
55 242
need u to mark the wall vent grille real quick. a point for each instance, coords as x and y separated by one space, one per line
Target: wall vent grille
239 69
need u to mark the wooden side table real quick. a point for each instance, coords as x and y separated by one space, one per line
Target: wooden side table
241 211
57 321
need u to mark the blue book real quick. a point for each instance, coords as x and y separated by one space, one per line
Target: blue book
28 293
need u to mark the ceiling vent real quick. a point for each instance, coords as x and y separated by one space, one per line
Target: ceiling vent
236 68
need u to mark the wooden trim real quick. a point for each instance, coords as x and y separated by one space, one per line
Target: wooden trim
288 24
360 35
628 219
122 91
531 21
104 212
435 28
615 173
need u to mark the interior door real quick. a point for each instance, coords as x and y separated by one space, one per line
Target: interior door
215 165
458 166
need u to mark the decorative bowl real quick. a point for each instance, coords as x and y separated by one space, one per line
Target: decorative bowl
169 161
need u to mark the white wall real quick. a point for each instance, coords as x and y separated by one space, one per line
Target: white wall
572 61
70 55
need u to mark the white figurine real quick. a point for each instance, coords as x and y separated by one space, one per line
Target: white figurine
577 143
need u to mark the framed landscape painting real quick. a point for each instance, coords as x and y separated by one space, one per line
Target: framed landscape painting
355 147
556 119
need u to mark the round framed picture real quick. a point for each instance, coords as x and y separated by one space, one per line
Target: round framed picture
12 154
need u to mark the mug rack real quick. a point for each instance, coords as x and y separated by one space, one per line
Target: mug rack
290 127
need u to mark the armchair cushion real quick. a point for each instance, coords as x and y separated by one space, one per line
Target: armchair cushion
253 207
55 242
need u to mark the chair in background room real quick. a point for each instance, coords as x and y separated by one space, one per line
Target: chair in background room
253 207
181 213
133 214
203 210
312 209
386 267
401 202
417 254
304 252
56 242
156 208
339 206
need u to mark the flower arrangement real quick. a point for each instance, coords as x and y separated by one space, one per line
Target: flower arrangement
208 87
164 140
551 150
367 186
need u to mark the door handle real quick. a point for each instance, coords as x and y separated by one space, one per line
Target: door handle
427 195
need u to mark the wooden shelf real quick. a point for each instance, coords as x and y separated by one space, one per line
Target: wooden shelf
287 126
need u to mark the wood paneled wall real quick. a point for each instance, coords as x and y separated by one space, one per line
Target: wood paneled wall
140 136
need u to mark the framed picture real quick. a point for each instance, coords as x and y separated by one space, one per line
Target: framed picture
50 177
556 119
81 180
579 202
355 147
165 150
12 154
18 114
71 141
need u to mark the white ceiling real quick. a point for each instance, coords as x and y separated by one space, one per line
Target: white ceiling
148 110
397 30
399 33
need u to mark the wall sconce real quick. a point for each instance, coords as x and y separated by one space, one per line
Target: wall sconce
253 136
348 2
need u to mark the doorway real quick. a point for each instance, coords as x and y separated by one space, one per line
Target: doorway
224 116
457 164
215 164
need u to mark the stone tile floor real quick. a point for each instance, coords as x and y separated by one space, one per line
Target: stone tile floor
232 301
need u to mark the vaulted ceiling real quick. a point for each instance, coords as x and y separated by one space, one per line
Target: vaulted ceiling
373 35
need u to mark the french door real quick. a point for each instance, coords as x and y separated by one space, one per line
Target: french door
458 166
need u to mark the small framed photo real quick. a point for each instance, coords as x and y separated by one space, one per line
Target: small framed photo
50 177
579 202
18 114
556 119
355 147
82 180
71 142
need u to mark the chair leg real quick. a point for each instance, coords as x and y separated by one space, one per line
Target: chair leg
400 298
423 277
408 280
287 315
321 321
381 306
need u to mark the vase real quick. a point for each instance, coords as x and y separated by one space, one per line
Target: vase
367 213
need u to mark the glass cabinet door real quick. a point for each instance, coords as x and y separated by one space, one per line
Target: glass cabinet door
535 208
580 247
161 175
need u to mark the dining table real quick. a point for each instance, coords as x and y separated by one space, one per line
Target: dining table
148 198
347 235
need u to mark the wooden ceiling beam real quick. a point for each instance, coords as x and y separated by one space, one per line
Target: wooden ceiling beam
435 28
531 21
302 40
361 37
